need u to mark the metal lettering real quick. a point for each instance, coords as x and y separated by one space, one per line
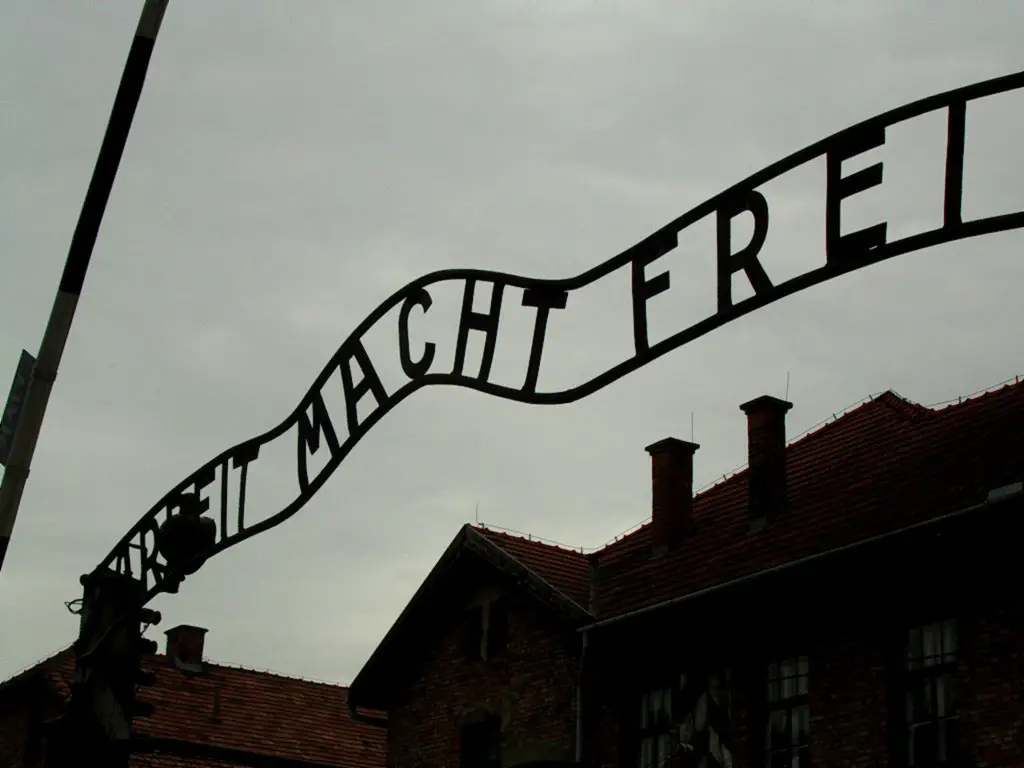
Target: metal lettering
745 259
478 321
839 247
310 430
414 369
643 288
314 425
544 301
369 384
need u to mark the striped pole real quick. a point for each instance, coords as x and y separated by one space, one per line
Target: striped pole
51 348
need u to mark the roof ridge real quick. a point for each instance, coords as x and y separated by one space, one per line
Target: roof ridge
948 405
266 672
46 661
511 533
811 432
902 406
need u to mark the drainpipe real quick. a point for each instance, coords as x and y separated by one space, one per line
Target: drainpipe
580 699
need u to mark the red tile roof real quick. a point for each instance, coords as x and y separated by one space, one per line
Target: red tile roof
884 465
246 710
566 570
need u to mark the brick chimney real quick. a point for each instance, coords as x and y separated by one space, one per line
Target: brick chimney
671 492
766 451
185 647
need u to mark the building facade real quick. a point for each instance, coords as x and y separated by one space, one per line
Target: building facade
850 599
205 714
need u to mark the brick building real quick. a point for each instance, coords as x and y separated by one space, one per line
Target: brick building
852 598
206 714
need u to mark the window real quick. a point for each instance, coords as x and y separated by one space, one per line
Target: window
486 630
474 637
656 742
703 711
481 744
931 707
496 627
786 732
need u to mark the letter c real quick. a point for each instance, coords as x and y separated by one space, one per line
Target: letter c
414 369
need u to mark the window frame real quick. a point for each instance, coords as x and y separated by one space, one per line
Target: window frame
487 629
799 700
945 668
657 731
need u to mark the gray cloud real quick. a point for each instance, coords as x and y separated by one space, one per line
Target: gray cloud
289 168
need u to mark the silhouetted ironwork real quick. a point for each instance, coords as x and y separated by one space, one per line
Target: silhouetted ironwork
315 428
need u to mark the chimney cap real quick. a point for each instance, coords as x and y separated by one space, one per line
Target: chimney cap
766 403
185 628
672 445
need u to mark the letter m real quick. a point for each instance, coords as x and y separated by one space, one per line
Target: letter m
314 421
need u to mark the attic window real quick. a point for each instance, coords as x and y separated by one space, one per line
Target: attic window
486 630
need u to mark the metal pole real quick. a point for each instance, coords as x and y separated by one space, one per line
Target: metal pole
51 348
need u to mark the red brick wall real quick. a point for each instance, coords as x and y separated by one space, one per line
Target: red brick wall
848 693
13 729
531 686
992 670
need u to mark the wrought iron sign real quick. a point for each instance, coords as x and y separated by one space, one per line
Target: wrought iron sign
313 427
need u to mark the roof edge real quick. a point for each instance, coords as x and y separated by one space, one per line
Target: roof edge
994 501
466 540
574 609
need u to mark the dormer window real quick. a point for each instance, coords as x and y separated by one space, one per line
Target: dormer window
487 630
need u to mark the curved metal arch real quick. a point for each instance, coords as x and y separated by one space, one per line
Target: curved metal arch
314 425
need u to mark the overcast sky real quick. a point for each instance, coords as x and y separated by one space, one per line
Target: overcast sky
293 164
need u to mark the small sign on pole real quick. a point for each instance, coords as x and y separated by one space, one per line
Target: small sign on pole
15 401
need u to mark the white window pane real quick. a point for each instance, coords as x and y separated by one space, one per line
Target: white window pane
945 705
715 687
914 646
788 687
664 750
931 639
788 668
647 753
700 712
949 640
686 729
777 738
803 665
801 721
773 671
